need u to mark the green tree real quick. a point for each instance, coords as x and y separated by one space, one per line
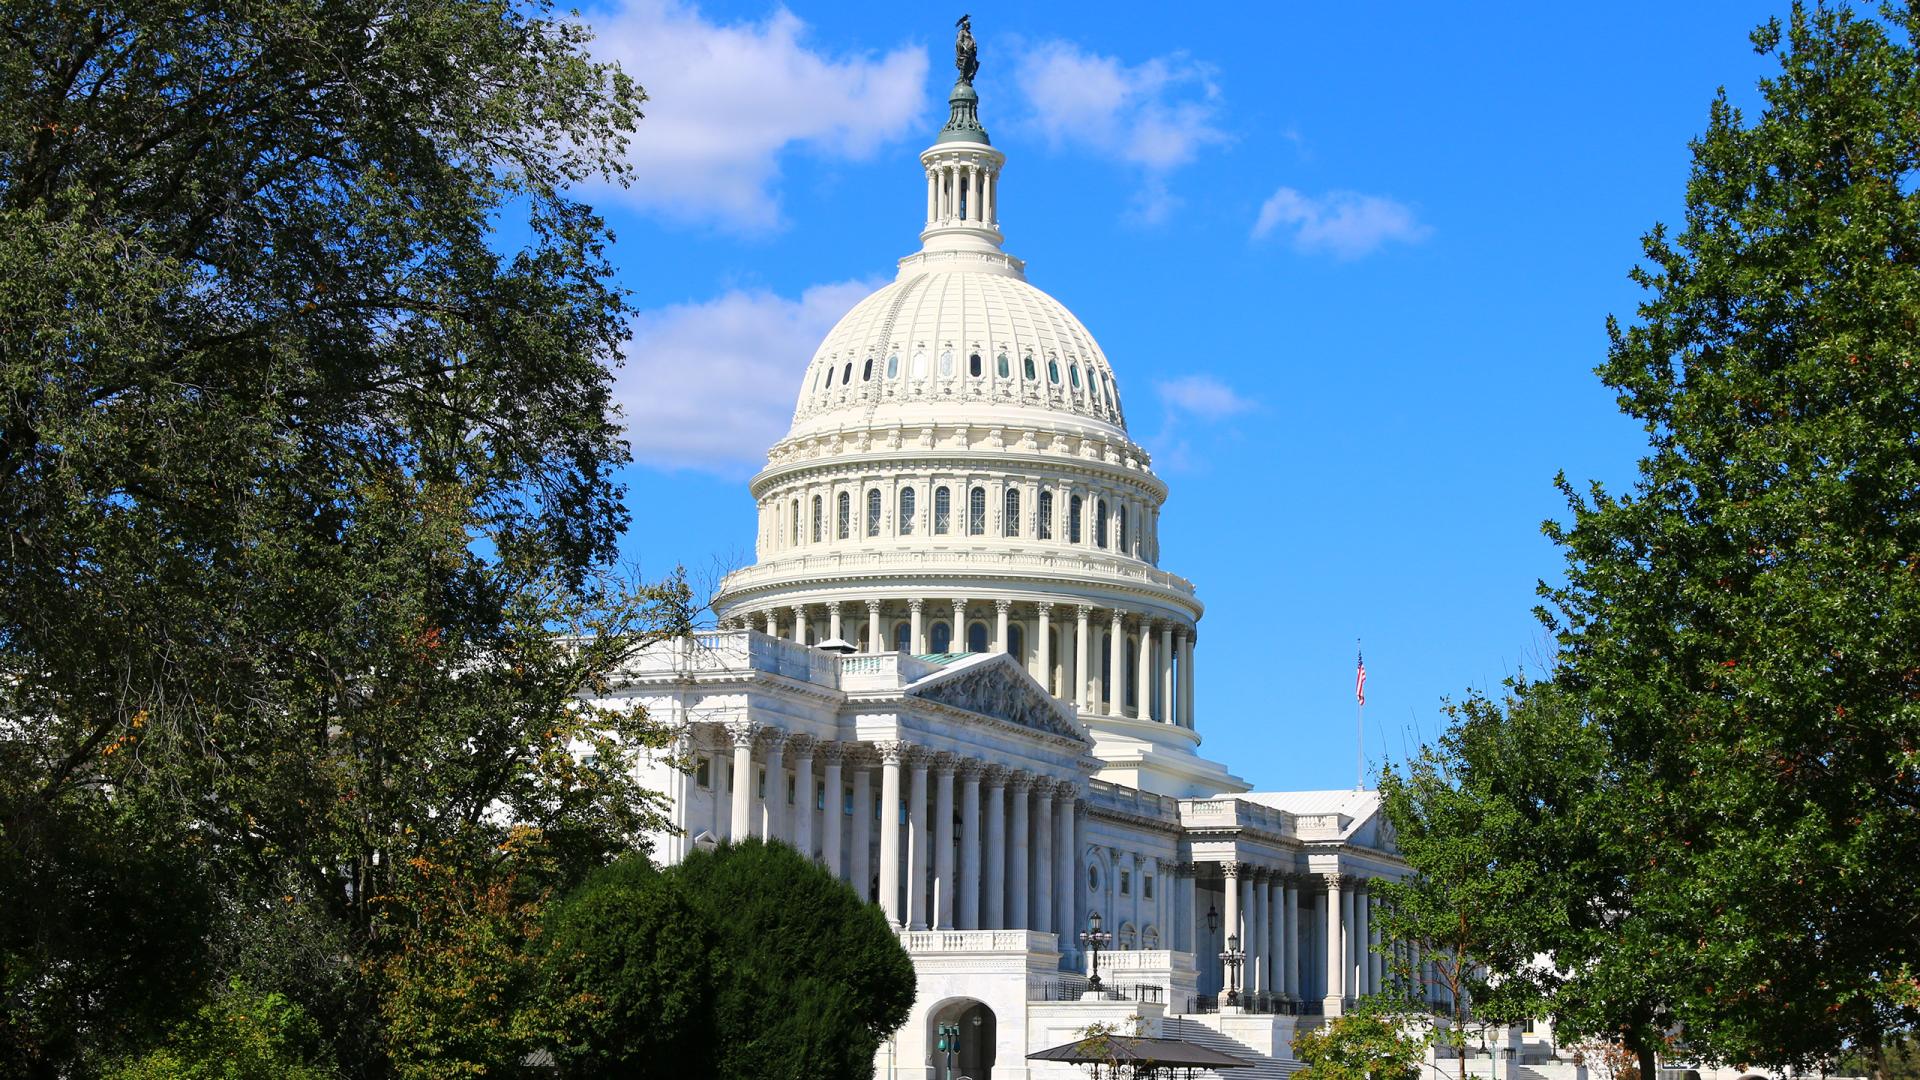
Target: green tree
1739 627
241 1035
302 466
1363 1045
800 979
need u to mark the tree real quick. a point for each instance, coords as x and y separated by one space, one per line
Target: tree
242 1035
1367 1044
1739 628
302 466
801 978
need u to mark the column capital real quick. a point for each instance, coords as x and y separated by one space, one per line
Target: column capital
832 753
1085 611
1002 606
801 745
1119 617
945 763
993 775
1232 869
1182 632
1020 780
873 606
742 732
777 739
1067 790
1333 881
1044 608
1043 788
917 604
970 769
893 752
833 607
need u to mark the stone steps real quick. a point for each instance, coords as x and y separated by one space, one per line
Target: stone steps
1261 1067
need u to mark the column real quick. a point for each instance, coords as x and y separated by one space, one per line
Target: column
1045 645
987 214
1040 914
969 889
999 850
1080 658
833 621
1017 836
1336 970
1145 673
917 839
774 802
860 861
803 796
1117 666
1362 937
1190 908
1276 933
959 642
773 624
1376 957
800 623
1066 881
1168 713
1230 874
916 625
741 827
830 815
1293 936
932 187
876 637
890 755
1349 981
940 834
1254 941
1001 609
1185 637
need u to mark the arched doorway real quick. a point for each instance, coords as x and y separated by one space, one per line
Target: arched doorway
960 1040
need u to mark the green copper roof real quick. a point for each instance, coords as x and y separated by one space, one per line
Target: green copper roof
963 124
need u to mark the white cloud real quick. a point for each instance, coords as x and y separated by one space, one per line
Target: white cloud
1156 115
1345 223
725 101
1202 396
712 385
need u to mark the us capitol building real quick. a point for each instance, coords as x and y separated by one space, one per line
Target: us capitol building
957 675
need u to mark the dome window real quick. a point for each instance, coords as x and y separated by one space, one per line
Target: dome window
818 524
829 376
866 370
942 516
973 365
1026 364
946 363
1121 516
893 366
1100 523
816 377
919 363
1017 641
977 637
1010 515
846 374
793 525
846 515
873 512
906 511
1073 375
942 635
1073 520
1001 367
1107 387
977 512
1053 371
1043 525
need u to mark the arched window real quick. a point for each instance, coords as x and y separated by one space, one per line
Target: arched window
866 370
1017 641
942 635
906 511
977 512
1000 366
1073 373
1010 514
942 515
816 377
829 376
1026 364
1100 523
846 373
919 363
818 524
873 512
846 515
977 637
1121 516
973 365
1053 371
1073 519
893 366
946 362
793 524
902 637
1043 525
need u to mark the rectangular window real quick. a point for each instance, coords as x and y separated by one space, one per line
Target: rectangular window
761 789
846 799
1146 887
820 795
792 782
1126 882
703 771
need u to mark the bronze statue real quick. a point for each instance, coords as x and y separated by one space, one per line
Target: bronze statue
966 55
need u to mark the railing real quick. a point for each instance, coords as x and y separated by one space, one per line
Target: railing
1225 812
1133 800
1075 989
1265 1004
1020 941
735 650
1045 564
874 671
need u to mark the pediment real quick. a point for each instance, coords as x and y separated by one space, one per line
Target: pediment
999 687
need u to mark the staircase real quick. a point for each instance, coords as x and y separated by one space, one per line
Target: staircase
1261 1067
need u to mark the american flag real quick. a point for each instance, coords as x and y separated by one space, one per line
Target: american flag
1360 679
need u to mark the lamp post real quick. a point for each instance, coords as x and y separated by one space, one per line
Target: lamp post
1094 939
949 1044
1233 957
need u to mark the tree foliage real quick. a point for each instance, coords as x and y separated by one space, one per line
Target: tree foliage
1739 628
307 484
779 969
241 1035
1366 1044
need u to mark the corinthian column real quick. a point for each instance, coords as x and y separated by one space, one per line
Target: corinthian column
1066 882
1167 711
1230 889
1145 673
1045 647
1336 999
917 843
1117 666
876 636
774 802
1040 915
803 796
1017 857
890 755
998 849
1002 609
741 825
941 836
860 859
831 755
969 891
916 625
1080 657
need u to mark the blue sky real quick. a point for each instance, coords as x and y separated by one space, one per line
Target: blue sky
1351 263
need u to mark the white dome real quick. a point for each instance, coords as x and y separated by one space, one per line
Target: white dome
958 328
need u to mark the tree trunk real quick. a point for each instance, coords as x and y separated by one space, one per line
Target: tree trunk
1644 1059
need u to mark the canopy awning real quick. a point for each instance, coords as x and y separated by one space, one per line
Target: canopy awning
1140 1050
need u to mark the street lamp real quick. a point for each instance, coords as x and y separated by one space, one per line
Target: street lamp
1213 919
949 1044
1094 939
1233 957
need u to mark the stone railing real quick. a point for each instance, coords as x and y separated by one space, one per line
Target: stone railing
881 671
1072 565
1133 801
1237 813
976 941
734 650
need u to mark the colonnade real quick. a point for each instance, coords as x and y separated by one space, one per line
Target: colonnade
961 844
963 191
1267 908
1146 672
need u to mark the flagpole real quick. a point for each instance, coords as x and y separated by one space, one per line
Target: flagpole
1360 724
